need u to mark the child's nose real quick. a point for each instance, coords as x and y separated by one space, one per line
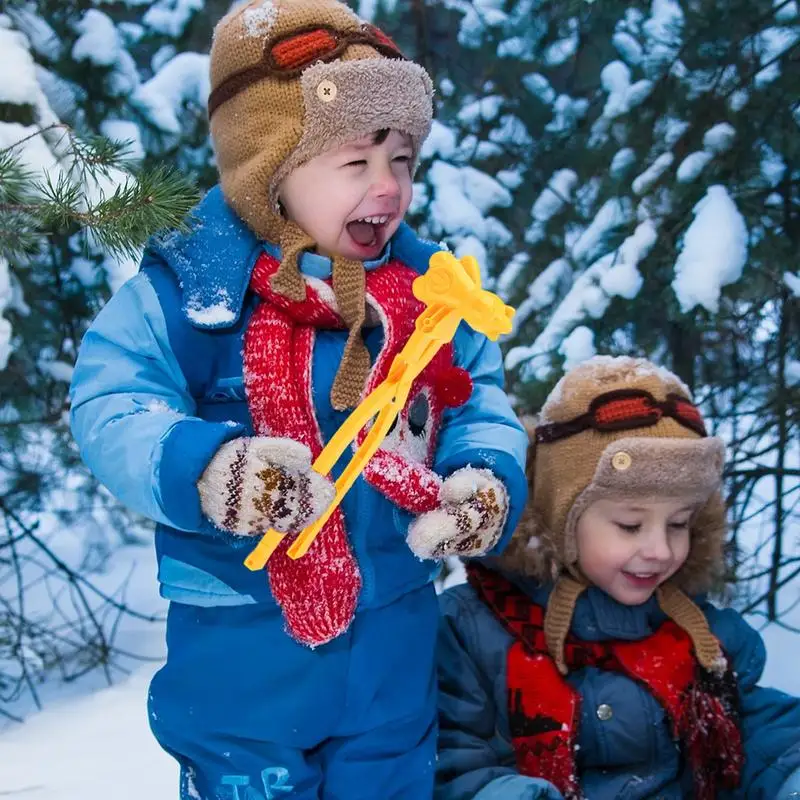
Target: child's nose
384 182
656 546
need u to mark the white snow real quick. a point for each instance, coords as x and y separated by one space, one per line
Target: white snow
615 78
628 47
447 87
664 30
217 314
170 17
650 176
719 138
440 142
99 41
16 60
623 160
566 112
623 278
510 273
671 129
161 56
550 202
738 99
510 178
517 47
539 87
57 370
591 292
182 79
614 213
638 93
563 49
483 110
123 130
43 39
773 167
483 190
793 282
478 17
461 198
5 302
577 347
786 12
713 251
259 19
691 166
90 748
543 290
773 45
622 95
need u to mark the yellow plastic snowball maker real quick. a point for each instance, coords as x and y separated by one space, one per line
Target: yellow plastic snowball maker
452 293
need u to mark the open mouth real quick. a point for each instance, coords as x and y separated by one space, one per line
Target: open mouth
368 232
642 578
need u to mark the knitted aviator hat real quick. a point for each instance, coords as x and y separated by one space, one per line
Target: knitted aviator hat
291 79
620 427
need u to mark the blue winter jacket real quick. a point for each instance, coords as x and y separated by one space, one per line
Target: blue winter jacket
158 388
629 756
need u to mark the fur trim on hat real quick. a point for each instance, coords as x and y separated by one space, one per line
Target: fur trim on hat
538 550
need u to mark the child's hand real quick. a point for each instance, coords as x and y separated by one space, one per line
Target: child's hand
253 484
469 521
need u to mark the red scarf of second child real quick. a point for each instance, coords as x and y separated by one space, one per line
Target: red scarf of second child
544 709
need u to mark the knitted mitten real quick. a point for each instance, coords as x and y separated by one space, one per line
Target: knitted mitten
469 521
253 484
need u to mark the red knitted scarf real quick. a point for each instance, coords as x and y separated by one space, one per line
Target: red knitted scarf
544 709
318 592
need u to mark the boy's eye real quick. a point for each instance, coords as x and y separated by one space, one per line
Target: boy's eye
358 163
679 526
405 158
633 527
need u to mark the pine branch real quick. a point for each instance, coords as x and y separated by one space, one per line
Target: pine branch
143 204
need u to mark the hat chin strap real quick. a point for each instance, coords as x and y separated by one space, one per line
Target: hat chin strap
684 613
349 289
558 617
287 280
672 601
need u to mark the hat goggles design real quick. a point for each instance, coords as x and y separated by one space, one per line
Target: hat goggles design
288 55
625 409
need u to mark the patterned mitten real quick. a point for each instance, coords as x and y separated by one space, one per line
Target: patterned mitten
469 520
253 484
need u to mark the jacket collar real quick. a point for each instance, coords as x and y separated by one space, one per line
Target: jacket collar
214 259
598 616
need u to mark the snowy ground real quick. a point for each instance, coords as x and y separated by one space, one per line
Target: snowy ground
98 745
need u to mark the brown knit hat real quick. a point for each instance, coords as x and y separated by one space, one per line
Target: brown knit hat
619 427
291 79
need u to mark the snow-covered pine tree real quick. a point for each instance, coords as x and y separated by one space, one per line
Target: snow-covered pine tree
650 154
74 208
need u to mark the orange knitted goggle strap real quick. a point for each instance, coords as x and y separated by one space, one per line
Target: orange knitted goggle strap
625 409
288 55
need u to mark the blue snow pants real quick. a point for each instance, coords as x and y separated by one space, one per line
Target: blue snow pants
250 714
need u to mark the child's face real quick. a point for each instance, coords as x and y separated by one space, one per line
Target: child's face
629 547
351 200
